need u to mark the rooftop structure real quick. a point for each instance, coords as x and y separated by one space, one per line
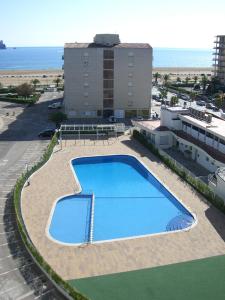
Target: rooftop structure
219 58
107 78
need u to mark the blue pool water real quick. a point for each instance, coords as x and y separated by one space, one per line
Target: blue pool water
129 201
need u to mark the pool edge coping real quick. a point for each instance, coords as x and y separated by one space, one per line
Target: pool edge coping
47 227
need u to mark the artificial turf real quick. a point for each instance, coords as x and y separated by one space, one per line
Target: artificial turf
202 279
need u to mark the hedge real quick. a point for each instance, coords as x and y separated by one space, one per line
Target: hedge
24 235
20 100
200 186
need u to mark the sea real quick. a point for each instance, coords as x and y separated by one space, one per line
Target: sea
47 58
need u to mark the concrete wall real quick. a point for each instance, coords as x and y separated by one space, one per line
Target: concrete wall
170 119
198 155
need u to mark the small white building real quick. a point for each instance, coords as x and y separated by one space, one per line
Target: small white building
107 78
197 134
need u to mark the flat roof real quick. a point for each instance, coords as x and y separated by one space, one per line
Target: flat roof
93 45
216 127
151 125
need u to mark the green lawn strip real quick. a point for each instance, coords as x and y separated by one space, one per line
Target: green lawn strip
202 279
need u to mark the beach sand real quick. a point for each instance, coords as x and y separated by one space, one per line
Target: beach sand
13 77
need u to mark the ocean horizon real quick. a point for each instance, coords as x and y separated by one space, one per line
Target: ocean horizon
48 58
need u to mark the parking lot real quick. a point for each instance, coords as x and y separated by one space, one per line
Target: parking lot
20 148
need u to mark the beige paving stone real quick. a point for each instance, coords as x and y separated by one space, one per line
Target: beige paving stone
56 179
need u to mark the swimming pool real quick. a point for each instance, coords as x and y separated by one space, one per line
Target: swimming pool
126 201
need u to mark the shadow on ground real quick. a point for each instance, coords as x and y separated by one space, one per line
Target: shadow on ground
217 219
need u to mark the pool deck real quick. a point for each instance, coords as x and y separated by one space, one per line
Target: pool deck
55 179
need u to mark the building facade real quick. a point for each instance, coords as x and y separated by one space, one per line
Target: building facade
219 58
198 135
107 78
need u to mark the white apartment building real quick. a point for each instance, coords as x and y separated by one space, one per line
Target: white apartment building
198 135
107 77
219 58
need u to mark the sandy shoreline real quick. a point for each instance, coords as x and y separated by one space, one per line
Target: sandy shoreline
15 77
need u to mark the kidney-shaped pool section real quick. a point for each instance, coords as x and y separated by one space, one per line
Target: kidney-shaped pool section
125 201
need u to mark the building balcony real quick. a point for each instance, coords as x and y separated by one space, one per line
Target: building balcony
214 153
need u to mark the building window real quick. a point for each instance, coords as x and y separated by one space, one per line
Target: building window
85 94
108 84
108 74
130 65
108 54
130 103
86 84
108 103
85 74
210 135
130 54
108 64
130 94
108 93
130 75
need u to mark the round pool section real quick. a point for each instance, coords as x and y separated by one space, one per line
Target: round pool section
126 201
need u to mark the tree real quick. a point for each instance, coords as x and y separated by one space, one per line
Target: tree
24 90
178 79
193 96
187 79
166 78
1 86
163 95
174 100
57 81
220 99
204 81
57 117
195 78
156 76
35 82
214 85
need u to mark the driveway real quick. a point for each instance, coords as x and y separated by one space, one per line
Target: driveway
19 146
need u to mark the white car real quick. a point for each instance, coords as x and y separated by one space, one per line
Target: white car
55 105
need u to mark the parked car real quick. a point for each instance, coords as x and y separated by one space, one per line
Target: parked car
211 106
49 132
139 118
55 105
200 103
184 97
112 119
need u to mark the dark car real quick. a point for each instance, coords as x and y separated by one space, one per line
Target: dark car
47 133
200 103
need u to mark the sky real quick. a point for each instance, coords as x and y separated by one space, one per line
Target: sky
161 23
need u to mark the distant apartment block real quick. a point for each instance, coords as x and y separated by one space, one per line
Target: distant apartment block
219 58
107 78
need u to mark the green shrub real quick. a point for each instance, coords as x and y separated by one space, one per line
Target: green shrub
200 186
24 235
20 100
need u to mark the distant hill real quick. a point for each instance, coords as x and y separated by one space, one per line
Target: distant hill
2 45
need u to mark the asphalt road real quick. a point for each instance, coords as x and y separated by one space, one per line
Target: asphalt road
19 146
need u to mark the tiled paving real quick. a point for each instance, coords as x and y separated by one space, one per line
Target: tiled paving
55 179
